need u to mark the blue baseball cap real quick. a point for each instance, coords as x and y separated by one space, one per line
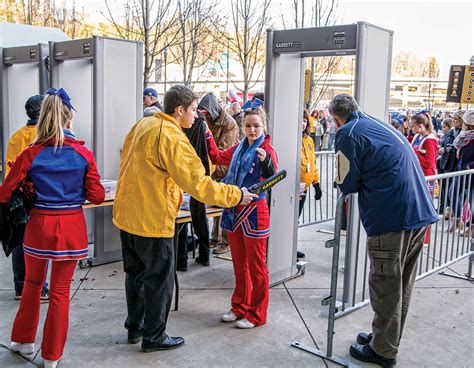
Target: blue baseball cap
33 106
150 92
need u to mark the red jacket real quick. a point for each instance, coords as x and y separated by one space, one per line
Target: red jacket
426 149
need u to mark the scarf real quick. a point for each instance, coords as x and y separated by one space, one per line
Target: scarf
463 139
240 165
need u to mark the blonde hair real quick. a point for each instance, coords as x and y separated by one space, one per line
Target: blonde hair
261 113
53 117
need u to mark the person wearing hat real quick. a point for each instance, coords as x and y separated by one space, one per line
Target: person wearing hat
150 98
21 139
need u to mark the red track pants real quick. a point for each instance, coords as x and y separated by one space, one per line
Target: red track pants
57 319
251 294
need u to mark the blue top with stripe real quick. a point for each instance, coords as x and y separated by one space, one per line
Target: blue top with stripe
58 177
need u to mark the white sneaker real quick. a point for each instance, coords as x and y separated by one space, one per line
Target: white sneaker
23 348
244 323
229 317
50 363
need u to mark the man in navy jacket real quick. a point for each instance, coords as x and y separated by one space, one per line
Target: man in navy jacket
377 162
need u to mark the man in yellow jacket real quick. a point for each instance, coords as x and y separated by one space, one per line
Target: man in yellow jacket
157 162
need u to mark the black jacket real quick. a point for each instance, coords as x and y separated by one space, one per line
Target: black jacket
197 137
448 161
13 219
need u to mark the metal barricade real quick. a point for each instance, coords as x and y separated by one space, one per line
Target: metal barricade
323 210
449 240
330 300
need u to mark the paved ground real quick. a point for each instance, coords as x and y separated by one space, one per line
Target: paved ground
439 330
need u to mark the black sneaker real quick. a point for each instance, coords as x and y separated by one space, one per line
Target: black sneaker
365 354
134 337
17 295
45 296
364 338
300 254
203 261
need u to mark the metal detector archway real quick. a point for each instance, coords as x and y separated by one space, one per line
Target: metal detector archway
23 73
284 85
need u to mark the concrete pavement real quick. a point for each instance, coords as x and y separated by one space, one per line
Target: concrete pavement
439 330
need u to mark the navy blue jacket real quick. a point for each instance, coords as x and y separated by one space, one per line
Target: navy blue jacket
378 162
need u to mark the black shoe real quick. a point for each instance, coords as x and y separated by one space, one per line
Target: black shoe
44 296
167 344
300 254
182 268
134 337
202 260
365 354
364 338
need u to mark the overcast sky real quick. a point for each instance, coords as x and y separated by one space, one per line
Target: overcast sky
440 28
444 29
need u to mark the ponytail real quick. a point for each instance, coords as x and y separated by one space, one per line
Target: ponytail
53 117
425 120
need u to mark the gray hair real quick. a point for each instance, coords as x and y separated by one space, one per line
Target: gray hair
469 117
343 106
150 111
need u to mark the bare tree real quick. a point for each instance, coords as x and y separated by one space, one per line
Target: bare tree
62 15
149 22
250 19
195 24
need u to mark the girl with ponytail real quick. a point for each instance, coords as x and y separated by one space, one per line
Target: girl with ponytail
64 175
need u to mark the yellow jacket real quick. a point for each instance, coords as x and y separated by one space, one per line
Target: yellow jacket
310 176
157 160
21 139
312 124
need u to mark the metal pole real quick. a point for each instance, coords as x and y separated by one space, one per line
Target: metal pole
331 299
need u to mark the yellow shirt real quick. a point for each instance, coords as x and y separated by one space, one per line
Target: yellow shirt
157 162
309 170
20 140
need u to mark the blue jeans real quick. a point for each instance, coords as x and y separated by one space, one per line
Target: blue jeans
331 139
18 266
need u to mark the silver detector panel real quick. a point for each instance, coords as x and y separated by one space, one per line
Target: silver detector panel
104 78
23 73
284 103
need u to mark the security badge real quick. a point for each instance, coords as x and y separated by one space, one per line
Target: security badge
342 167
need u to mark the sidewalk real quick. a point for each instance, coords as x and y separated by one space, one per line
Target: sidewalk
439 330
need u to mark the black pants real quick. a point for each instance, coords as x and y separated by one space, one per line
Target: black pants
199 219
302 201
149 267
182 236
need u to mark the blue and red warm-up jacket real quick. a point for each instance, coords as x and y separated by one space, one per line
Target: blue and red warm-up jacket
63 177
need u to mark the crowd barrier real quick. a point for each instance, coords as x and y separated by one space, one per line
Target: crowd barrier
447 244
450 240
323 210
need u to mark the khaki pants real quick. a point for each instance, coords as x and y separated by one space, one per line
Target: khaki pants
393 260
217 233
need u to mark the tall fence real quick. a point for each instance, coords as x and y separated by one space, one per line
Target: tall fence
317 211
450 239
